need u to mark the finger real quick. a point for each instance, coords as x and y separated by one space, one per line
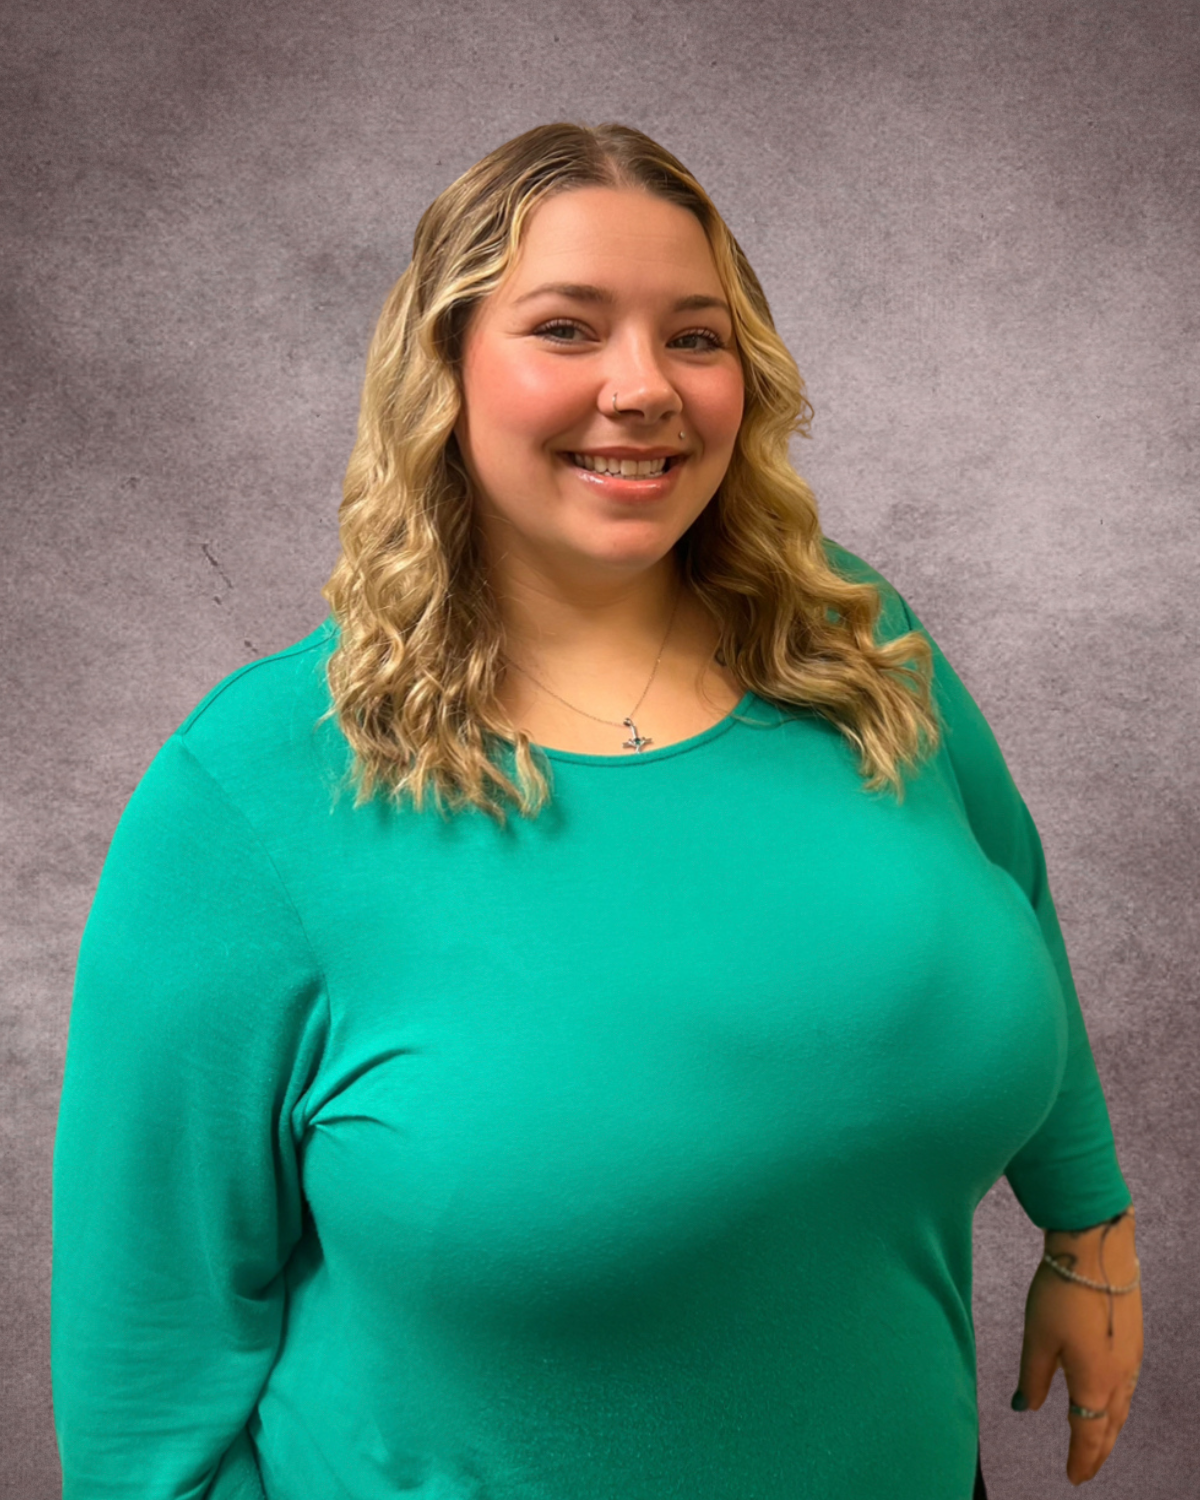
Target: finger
1119 1404
1086 1459
1092 1438
1038 1364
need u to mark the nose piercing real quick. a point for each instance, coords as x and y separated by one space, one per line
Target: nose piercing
616 413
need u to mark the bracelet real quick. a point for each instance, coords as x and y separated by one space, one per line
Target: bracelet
1100 1286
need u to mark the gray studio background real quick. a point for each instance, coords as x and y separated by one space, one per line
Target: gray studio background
977 226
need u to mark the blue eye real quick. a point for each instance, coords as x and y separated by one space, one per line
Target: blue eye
714 341
559 324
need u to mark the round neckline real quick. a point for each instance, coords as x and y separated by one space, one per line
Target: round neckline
643 757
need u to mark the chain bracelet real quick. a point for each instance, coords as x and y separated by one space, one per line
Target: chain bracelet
1100 1286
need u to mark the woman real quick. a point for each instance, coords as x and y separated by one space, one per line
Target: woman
630 1147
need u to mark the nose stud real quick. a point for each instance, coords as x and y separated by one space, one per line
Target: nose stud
616 413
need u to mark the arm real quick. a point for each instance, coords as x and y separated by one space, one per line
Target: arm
1067 1173
195 1025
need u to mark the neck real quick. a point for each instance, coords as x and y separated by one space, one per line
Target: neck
592 628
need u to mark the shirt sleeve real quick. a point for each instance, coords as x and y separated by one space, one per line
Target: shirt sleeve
1066 1176
196 1022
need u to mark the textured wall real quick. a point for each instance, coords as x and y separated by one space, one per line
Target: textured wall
977 225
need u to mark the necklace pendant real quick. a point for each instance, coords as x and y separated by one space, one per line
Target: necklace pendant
635 742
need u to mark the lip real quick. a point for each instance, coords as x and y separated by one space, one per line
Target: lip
614 487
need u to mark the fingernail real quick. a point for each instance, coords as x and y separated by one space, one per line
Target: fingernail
1019 1402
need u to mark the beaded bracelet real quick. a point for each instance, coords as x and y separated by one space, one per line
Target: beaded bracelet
1100 1286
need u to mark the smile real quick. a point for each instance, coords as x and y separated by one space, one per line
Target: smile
657 480
627 468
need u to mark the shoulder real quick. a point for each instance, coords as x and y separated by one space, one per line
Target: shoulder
968 739
248 768
264 713
842 560
968 749
263 689
895 616
261 743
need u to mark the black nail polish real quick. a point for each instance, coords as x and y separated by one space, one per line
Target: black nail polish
1019 1402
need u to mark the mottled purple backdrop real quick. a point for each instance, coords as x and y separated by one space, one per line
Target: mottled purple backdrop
977 227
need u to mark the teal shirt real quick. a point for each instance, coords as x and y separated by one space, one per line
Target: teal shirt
630 1152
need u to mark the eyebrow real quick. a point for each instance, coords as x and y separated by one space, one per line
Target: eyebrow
583 292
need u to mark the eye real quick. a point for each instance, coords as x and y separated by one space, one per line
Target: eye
558 323
714 340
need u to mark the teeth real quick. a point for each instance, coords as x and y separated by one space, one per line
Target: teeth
625 466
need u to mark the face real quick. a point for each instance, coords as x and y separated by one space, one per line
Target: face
540 369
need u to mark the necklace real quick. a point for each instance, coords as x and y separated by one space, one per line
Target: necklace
636 741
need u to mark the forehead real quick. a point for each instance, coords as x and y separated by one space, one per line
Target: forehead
623 239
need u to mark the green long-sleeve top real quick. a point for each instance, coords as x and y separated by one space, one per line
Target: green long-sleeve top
630 1152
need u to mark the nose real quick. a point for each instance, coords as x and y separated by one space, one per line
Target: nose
640 383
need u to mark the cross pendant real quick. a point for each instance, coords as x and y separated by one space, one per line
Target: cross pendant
636 741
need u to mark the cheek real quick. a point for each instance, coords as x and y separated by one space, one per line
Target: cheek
718 404
522 394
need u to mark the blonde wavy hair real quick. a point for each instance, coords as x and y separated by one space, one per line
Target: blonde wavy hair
419 658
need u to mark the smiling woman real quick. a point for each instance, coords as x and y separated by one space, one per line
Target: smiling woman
578 545
530 404
576 294
629 1148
